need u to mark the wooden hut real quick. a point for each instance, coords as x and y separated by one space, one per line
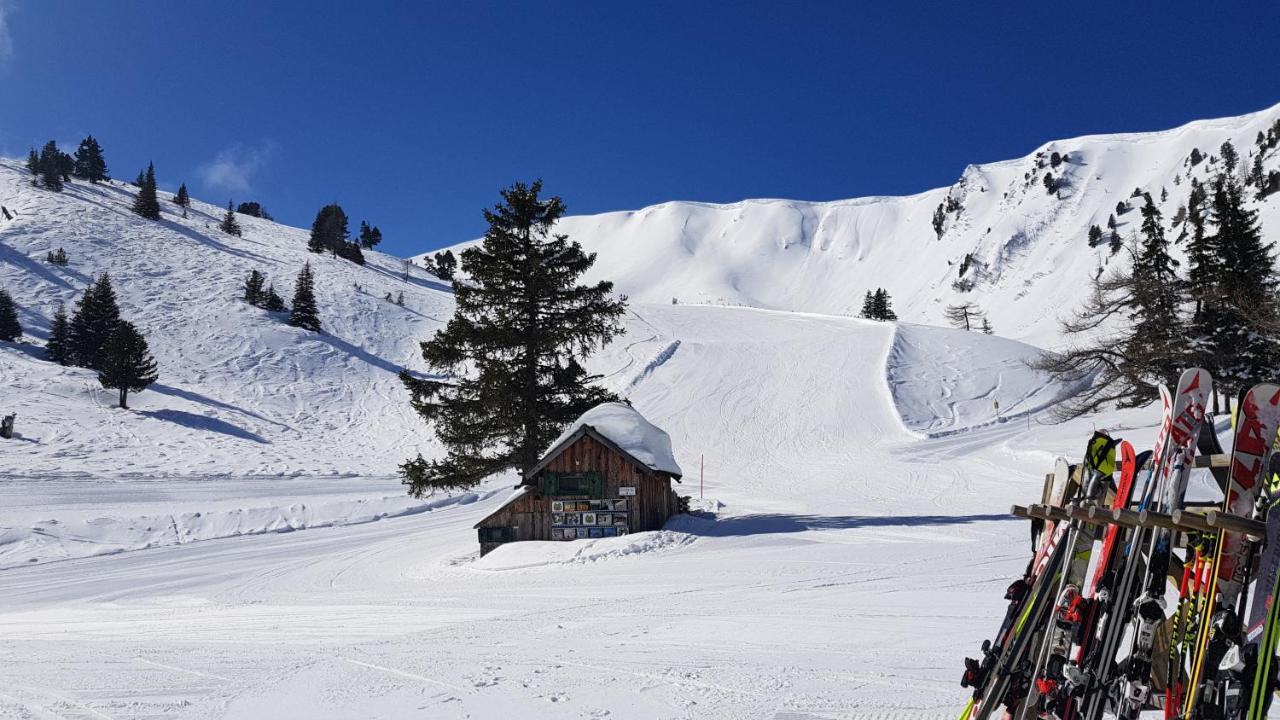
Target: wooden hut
609 474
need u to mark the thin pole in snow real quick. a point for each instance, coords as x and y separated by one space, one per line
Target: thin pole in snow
702 463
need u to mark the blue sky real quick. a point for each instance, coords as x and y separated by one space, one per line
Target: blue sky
413 115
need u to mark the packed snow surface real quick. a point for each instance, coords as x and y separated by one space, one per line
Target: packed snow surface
237 544
627 428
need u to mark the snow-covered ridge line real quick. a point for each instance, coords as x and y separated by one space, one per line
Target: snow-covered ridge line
998 236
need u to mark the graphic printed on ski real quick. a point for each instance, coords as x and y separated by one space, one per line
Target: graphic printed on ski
1190 401
1258 421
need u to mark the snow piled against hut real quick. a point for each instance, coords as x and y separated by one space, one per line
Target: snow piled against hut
631 432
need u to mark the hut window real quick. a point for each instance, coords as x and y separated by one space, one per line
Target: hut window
589 484
497 534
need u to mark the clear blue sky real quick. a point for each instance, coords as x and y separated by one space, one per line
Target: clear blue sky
414 114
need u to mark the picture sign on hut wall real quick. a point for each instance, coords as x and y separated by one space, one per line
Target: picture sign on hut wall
574 519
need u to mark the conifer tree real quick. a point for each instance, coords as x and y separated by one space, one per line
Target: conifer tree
1156 341
884 305
305 314
229 224
146 203
329 230
1242 304
33 163
510 356
1095 236
868 306
95 315
141 179
986 326
10 328
253 209
445 265
90 164
253 292
51 166
1230 158
126 364
1115 243
58 348
181 198
272 301
369 236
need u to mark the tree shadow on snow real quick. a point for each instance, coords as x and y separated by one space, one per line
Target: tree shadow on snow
203 422
777 523
196 397
207 240
359 352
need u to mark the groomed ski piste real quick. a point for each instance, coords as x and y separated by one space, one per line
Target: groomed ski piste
236 545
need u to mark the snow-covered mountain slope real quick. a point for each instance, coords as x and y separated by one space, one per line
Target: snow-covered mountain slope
1029 257
842 566
239 391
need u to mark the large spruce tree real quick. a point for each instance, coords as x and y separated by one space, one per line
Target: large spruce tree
90 164
1233 330
510 356
146 203
95 316
10 328
58 347
305 314
1156 341
1132 330
329 230
51 166
126 364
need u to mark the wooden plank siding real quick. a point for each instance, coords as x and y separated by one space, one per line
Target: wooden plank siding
649 509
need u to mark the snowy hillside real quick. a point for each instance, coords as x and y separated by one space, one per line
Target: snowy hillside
1030 260
239 391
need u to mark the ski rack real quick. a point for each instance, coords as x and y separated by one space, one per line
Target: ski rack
1186 521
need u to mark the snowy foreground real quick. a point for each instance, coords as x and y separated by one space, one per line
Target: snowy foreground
856 546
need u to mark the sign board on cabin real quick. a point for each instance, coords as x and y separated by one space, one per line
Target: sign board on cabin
626 491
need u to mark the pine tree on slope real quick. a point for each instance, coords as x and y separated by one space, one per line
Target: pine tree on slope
1243 349
33 164
127 364
1155 342
51 167
90 164
253 292
305 314
181 199
146 203
229 224
329 230
95 315
272 301
511 353
58 347
868 306
10 328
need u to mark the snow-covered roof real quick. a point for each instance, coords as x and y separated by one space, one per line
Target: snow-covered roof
624 427
519 492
